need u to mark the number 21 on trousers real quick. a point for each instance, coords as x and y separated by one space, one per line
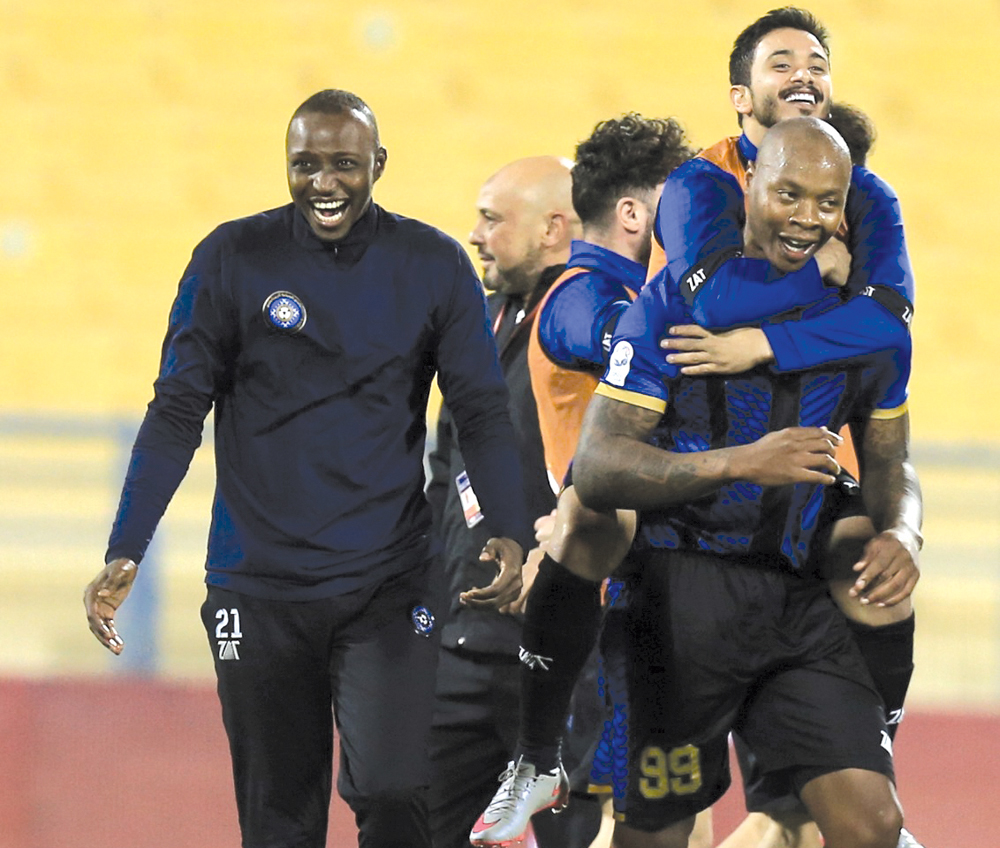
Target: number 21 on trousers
228 633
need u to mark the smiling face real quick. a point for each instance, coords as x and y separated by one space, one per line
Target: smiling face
333 162
789 78
796 194
524 223
507 237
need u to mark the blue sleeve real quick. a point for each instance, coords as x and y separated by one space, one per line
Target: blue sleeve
637 365
881 289
700 225
885 377
895 384
474 389
879 256
577 321
195 360
854 329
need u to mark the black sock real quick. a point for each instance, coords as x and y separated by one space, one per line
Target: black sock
561 623
888 651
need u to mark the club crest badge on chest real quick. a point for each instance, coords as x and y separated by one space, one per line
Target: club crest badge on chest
284 311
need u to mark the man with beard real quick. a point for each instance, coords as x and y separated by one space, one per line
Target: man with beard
523 232
780 68
617 176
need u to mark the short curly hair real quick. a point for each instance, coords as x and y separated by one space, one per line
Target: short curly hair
624 155
787 17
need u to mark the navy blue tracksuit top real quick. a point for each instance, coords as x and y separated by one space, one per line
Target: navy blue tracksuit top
319 358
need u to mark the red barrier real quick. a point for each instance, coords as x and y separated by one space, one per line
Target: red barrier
144 764
138 764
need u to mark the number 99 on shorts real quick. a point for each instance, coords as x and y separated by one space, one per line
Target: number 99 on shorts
677 772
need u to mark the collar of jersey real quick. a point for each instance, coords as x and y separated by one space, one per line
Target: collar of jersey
348 249
748 148
585 254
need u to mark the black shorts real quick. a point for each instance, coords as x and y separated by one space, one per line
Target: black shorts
711 646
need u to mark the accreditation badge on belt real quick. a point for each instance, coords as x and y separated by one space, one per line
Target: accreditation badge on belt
470 503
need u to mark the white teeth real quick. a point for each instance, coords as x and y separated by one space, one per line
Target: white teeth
329 207
801 96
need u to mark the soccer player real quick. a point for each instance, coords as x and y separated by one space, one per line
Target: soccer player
779 68
617 176
525 224
785 822
315 330
729 630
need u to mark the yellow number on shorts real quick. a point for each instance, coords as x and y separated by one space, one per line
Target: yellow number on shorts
685 766
678 772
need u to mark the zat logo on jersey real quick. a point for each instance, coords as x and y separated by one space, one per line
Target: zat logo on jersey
620 363
694 280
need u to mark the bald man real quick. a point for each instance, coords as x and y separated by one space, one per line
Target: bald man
525 223
728 629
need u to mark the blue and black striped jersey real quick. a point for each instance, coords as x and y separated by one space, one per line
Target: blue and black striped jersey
704 413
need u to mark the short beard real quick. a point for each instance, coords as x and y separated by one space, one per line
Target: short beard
513 281
767 114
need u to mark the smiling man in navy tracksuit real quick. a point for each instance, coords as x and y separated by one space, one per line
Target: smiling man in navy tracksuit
315 331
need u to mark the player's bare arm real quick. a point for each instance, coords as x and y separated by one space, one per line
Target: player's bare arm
102 597
616 468
888 569
508 556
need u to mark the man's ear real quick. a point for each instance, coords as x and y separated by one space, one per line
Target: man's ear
557 230
381 155
627 209
741 99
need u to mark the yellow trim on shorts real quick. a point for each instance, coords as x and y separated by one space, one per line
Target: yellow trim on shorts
634 398
888 414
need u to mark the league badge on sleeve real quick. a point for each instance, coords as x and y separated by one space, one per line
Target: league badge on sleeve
619 364
284 311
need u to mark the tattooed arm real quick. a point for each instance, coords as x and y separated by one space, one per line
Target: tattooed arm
615 467
889 567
